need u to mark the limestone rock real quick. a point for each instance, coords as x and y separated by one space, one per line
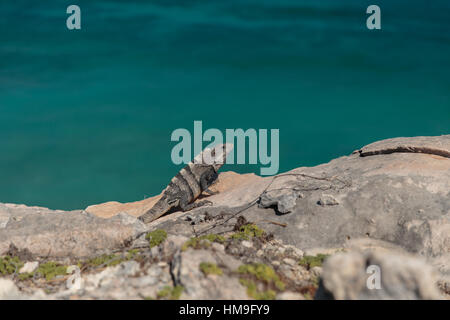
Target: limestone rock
439 146
283 200
347 276
54 233
8 290
327 200
29 267
200 286
289 295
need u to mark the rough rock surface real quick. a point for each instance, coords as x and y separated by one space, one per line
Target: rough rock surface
400 198
154 273
392 195
55 233
439 146
345 276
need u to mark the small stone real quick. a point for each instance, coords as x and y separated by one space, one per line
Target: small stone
316 271
289 295
259 253
294 251
327 200
154 251
8 290
247 244
3 220
284 200
72 268
218 246
276 263
29 267
289 261
403 277
74 282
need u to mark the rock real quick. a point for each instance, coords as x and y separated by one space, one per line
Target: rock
218 247
8 290
327 200
294 251
398 198
4 219
283 200
125 282
112 208
290 261
289 295
439 146
247 244
351 276
55 233
316 271
427 237
200 286
74 282
172 244
29 267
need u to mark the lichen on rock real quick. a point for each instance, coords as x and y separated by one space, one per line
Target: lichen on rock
156 237
210 268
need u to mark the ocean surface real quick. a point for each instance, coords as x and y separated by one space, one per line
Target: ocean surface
86 116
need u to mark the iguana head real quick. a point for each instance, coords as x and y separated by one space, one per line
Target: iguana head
215 156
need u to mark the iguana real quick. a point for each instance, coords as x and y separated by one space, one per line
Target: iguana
190 182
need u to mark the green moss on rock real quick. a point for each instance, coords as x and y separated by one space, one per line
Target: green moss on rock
255 293
252 274
202 242
313 261
210 268
155 238
248 231
25 276
51 269
10 265
263 273
108 260
307 296
170 293
132 254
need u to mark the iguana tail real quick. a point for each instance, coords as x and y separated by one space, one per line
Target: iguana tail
160 208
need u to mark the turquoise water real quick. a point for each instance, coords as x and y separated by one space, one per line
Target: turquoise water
86 116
